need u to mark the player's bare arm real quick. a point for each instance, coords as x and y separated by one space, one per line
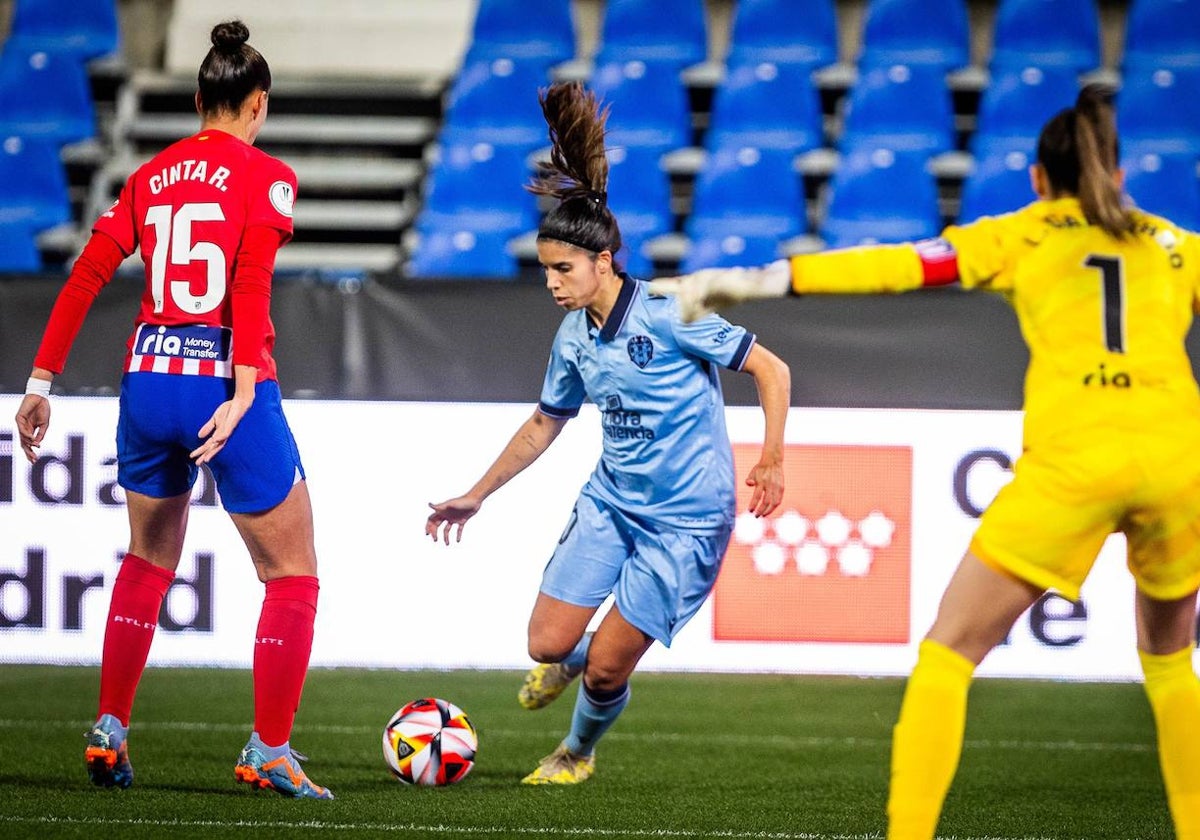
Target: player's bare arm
773 379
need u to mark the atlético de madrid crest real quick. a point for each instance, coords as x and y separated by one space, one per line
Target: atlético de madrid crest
641 350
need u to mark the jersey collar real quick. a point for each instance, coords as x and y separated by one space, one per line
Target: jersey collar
620 310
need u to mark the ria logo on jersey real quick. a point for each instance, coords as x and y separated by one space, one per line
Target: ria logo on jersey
833 563
193 341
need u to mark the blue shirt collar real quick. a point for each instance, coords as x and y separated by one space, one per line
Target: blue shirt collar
620 310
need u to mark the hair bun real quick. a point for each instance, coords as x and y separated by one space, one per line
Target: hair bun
228 37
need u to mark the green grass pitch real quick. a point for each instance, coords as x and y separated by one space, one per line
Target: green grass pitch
695 755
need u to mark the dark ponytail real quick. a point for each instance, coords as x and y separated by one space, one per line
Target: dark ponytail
577 173
232 70
1078 149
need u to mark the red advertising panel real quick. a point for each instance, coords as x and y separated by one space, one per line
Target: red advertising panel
832 563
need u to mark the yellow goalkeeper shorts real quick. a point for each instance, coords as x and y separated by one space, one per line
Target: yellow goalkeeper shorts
1047 526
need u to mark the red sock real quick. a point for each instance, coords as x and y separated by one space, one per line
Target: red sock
132 616
281 649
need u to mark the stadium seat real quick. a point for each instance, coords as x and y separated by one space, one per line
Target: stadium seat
462 253
784 32
1166 185
752 194
33 185
18 249
1165 33
902 108
665 30
507 29
649 103
1158 110
495 100
475 185
82 28
639 194
916 32
768 105
998 183
44 95
1017 103
1047 33
878 196
716 250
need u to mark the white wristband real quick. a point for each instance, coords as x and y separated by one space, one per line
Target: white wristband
41 387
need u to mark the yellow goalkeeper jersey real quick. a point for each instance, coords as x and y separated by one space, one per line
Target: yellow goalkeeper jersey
1104 319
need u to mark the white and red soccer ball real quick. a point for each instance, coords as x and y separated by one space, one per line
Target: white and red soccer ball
430 742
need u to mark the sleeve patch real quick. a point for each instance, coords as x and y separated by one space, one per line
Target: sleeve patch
282 197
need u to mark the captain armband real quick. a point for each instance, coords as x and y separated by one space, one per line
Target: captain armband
939 261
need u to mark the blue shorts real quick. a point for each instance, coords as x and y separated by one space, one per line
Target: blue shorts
659 578
161 414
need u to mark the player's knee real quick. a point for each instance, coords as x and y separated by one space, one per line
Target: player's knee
548 649
605 676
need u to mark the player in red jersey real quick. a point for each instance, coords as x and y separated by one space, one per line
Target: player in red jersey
208 214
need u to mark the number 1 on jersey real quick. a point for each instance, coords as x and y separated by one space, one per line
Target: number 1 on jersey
1113 280
173 235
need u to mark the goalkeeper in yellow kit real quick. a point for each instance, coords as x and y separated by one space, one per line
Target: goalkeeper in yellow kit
1105 295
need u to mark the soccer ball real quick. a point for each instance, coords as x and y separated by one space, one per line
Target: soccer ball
429 742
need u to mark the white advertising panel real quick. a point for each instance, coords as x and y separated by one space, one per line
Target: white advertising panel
844 579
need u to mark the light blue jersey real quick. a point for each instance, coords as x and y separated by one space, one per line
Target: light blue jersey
666 460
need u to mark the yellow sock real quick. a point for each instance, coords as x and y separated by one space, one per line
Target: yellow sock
927 741
1174 693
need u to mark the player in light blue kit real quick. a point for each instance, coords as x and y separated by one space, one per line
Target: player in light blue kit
652 522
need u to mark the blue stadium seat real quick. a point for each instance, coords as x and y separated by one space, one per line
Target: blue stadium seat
1166 185
462 253
18 249
44 95
1165 33
33 184
82 28
1158 110
878 196
751 194
495 100
902 108
639 194
665 30
507 29
649 103
999 183
785 32
1047 33
768 105
1017 103
478 186
916 32
717 250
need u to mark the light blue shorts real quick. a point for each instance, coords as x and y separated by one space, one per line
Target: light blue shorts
660 578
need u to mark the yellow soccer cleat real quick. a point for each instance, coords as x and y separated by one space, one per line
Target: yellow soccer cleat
544 683
562 767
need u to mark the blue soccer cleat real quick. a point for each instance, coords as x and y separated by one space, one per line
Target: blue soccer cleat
107 755
281 773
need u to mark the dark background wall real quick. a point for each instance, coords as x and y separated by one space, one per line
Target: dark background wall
490 341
